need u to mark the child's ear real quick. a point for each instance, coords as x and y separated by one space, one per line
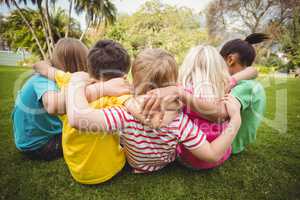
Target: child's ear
232 59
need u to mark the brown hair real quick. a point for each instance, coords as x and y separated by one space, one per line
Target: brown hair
70 55
153 68
108 59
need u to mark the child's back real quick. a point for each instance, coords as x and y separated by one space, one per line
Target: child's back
149 149
93 158
204 74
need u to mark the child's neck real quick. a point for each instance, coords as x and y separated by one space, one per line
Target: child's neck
236 68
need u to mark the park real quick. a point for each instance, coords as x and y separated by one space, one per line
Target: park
266 169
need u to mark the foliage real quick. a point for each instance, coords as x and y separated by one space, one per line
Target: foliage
158 25
265 69
29 61
14 31
290 41
247 16
97 11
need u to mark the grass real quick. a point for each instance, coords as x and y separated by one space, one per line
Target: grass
269 169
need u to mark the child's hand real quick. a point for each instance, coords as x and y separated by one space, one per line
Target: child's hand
41 65
232 82
117 87
233 106
155 97
44 68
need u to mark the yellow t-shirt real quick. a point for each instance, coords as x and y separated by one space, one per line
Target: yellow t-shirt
91 157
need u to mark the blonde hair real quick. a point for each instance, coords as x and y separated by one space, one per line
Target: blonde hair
205 70
70 55
153 68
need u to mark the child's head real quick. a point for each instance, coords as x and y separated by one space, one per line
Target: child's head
108 59
70 55
153 68
205 70
241 52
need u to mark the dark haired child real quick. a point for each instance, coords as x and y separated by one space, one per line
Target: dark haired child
240 54
95 158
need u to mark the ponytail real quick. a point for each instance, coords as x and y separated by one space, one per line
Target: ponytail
256 38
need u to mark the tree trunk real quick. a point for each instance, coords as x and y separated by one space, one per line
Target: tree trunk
46 32
86 30
52 43
70 17
31 30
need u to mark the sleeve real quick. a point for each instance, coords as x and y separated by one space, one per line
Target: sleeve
42 85
115 118
190 134
62 78
243 92
124 98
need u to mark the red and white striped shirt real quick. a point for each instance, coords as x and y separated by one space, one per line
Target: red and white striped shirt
150 149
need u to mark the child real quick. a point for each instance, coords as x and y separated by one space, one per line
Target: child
149 149
204 76
95 158
239 54
37 131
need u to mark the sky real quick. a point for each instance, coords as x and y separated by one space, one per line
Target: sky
129 6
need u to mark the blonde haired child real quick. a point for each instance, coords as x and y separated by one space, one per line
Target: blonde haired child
149 149
205 72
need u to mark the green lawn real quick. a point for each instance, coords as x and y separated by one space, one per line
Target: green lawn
269 169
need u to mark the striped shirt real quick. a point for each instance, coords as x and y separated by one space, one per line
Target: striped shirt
150 149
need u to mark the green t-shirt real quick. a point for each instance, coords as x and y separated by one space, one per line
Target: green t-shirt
252 97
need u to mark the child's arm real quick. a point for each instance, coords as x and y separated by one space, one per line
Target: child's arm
162 117
213 152
215 111
113 87
45 69
212 111
54 102
85 118
246 74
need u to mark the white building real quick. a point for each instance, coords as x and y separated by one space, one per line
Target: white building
11 58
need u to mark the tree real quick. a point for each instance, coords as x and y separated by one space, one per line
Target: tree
16 33
247 16
290 40
27 22
96 12
158 25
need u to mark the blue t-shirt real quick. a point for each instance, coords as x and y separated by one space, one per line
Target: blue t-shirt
33 126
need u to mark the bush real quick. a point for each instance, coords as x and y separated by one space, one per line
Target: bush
262 69
29 61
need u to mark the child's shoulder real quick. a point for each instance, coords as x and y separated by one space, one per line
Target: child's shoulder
177 121
109 101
